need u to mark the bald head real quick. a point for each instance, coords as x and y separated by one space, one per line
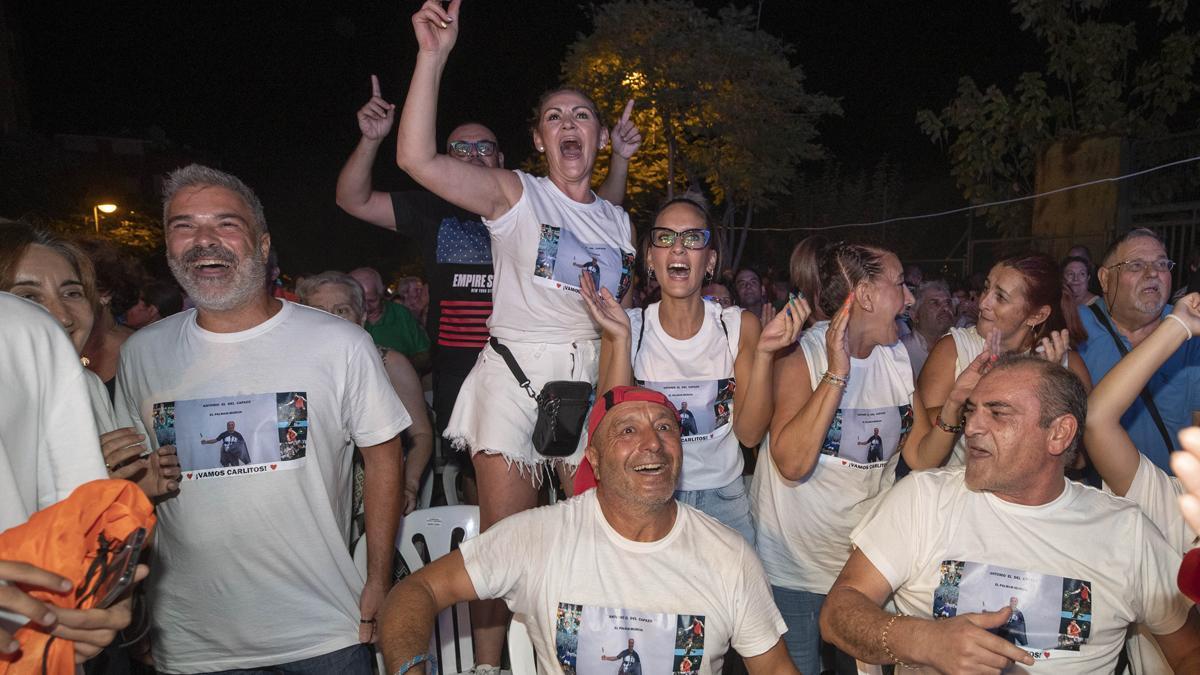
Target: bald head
372 285
473 132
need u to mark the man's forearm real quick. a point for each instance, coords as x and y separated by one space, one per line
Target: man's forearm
383 501
354 182
406 623
856 625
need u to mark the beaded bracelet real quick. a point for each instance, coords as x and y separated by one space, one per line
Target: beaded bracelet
948 428
839 381
413 663
888 650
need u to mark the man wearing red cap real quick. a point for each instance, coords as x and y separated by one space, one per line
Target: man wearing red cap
610 556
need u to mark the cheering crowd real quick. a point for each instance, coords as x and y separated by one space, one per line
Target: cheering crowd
856 465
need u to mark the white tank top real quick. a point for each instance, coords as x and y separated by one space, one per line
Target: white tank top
803 527
539 249
697 375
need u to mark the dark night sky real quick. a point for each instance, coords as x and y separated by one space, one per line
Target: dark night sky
270 88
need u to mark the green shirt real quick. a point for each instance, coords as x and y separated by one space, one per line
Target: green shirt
398 329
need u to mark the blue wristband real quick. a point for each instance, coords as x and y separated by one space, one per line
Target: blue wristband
413 662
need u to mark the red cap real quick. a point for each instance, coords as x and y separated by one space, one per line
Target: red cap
585 479
1189 575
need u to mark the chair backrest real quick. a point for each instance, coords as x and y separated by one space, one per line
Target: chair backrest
425 536
520 649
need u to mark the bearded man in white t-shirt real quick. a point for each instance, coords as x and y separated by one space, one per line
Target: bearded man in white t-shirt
1009 529
592 576
253 570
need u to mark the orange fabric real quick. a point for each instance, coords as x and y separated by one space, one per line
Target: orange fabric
64 539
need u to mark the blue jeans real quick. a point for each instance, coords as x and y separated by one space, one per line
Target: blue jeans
801 610
728 504
352 660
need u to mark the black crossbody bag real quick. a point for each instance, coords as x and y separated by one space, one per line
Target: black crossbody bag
562 408
1147 400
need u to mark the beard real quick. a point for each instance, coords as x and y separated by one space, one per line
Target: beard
247 280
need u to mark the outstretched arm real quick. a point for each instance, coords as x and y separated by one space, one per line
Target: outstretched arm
354 193
485 191
626 139
408 614
1108 444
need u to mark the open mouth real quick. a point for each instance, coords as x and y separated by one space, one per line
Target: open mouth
650 469
570 148
679 271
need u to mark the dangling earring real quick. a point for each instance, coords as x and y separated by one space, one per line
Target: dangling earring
708 276
650 273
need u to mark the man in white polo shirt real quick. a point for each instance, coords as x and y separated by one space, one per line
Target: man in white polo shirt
961 544
620 569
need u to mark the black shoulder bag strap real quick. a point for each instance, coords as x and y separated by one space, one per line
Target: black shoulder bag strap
515 367
1147 400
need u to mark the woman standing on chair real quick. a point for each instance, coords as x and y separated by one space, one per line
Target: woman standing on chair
716 363
846 410
544 231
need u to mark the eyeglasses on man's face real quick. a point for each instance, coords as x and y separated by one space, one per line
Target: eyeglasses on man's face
661 237
1140 266
468 148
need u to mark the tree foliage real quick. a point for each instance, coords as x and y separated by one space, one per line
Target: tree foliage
720 106
1098 79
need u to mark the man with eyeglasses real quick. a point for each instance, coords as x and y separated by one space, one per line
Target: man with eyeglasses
455 245
1135 277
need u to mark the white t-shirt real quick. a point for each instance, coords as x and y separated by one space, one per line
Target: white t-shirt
102 407
918 350
48 439
946 550
856 464
696 373
252 562
539 248
583 590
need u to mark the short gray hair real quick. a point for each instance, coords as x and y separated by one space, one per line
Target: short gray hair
309 285
1059 392
198 175
925 287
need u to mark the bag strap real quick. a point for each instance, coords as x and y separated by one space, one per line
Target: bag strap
1144 394
641 332
515 367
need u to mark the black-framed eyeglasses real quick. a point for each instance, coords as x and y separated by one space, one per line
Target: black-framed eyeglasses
1139 266
467 148
661 237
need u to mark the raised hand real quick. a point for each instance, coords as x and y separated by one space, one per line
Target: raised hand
437 28
837 342
780 329
1188 309
626 138
1054 346
965 645
965 383
603 308
121 449
376 117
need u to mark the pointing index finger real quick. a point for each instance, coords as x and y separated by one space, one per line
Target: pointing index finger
375 86
628 111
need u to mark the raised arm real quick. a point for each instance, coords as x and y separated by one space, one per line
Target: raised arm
354 193
626 139
1108 444
485 191
802 416
408 614
753 403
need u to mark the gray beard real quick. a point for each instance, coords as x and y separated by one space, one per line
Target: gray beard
249 280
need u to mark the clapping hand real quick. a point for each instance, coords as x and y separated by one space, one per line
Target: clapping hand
603 307
781 328
626 139
837 341
1053 347
376 117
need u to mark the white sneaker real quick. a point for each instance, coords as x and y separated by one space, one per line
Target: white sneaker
485 669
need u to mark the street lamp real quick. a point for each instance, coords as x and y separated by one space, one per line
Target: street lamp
106 208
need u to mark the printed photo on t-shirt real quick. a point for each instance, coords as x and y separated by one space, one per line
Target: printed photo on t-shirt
1049 613
605 640
705 406
238 435
867 436
562 258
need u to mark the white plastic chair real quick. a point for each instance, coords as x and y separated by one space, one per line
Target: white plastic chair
520 649
439 530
